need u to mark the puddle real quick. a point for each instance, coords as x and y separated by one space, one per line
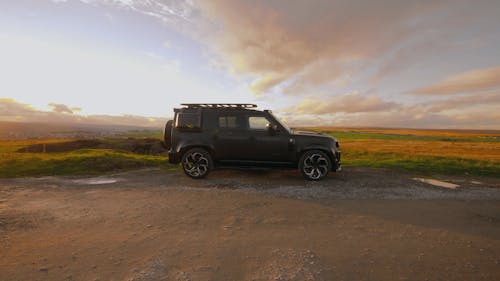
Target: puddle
96 181
438 183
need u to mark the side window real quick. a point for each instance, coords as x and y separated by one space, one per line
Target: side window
258 122
188 120
230 122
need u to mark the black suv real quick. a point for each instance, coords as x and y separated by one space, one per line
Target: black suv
204 136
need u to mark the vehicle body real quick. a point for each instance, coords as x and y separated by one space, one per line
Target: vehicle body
206 136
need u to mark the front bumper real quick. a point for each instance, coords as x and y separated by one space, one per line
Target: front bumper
336 167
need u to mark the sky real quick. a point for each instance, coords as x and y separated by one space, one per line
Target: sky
379 63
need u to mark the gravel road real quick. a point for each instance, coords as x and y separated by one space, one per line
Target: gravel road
152 224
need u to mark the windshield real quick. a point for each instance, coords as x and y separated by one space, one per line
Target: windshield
282 123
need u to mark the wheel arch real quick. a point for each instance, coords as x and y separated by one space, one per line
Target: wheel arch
188 147
316 147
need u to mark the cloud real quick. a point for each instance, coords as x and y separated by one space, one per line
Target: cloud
11 110
275 38
171 11
278 40
353 109
330 73
303 48
62 108
301 45
407 117
347 103
9 107
265 83
471 81
458 102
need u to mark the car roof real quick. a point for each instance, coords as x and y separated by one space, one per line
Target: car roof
219 105
239 107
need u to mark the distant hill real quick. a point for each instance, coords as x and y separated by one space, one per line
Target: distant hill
21 130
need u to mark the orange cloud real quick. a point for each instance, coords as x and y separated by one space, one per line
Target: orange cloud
468 82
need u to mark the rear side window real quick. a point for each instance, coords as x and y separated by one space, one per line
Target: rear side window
188 120
230 122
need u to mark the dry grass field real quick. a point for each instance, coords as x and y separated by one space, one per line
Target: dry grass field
468 150
424 151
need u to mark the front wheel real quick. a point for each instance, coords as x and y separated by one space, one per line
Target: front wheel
314 165
196 163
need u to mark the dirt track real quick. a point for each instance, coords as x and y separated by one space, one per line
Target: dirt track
361 224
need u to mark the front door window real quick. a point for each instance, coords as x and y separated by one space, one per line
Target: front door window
257 123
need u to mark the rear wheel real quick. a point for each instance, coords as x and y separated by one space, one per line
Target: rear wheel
196 163
314 165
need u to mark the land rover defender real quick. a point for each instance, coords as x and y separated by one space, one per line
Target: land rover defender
206 136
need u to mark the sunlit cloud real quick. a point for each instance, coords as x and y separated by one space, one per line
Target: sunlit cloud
471 81
347 103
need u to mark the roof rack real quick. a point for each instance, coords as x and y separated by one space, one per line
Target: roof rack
219 105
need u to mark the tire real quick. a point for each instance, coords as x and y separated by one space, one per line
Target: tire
314 165
196 163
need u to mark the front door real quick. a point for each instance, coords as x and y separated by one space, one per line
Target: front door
264 145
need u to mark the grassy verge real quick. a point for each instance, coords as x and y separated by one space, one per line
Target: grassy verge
85 161
109 156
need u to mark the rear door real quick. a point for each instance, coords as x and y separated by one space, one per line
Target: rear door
231 137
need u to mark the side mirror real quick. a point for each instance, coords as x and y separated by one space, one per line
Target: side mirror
272 129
